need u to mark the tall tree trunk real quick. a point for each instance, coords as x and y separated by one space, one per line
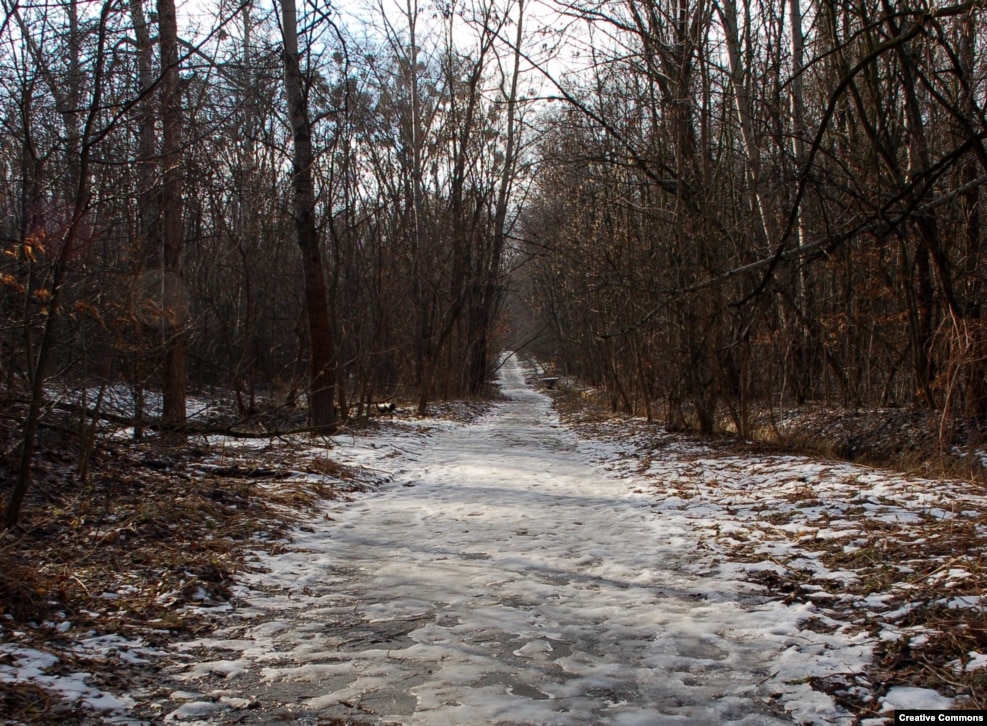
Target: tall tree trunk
976 373
321 363
172 224
929 252
426 352
147 247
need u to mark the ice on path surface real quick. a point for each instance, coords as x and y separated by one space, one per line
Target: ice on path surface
504 578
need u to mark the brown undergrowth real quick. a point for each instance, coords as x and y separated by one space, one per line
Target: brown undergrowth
911 440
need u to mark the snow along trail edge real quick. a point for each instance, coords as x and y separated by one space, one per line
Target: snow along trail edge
503 576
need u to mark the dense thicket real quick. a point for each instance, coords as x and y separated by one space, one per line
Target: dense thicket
726 204
745 203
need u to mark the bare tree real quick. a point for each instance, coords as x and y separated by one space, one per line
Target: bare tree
172 220
322 364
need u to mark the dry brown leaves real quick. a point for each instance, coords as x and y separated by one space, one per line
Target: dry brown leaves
152 531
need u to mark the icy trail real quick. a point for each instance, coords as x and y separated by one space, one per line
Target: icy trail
502 578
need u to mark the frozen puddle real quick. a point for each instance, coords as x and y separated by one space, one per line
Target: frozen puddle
502 578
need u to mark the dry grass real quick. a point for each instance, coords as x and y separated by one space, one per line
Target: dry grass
907 440
911 440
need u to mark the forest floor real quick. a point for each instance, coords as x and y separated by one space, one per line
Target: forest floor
538 562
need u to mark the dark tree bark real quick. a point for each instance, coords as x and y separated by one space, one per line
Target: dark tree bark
147 247
172 226
321 364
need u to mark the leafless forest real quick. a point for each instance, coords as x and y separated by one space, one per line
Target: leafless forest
698 206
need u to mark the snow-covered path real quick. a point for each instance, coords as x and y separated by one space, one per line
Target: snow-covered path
503 577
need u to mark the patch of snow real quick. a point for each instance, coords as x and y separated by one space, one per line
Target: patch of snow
33 666
975 662
973 602
195 710
917 699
